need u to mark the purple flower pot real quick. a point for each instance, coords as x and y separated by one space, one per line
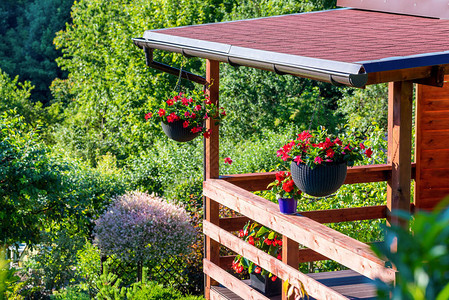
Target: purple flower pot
287 205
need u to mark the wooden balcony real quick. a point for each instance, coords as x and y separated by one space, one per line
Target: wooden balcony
306 229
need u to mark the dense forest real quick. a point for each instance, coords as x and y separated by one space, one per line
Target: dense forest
74 91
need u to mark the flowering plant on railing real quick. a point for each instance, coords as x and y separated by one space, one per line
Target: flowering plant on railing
265 240
284 187
192 109
318 147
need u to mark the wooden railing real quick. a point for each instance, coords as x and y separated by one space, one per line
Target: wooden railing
306 228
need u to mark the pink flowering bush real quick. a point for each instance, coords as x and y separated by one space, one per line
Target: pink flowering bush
191 109
318 147
138 227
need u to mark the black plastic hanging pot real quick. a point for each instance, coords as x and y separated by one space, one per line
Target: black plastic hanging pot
177 132
320 181
265 284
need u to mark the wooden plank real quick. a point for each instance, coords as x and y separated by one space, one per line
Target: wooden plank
269 263
211 169
347 214
399 75
357 174
432 144
435 104
347 282
231 282
434 120
321 216
233 223
435 139
335 245
435 159
226 262
304 255
400 98
290 256
438 193
434 178
219 294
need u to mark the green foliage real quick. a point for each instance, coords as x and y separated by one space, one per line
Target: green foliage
71 293
8 277
362 107
109 288
16 96
31 188
28 29
56 256
422 257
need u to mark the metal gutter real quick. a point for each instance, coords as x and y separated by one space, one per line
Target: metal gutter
335 72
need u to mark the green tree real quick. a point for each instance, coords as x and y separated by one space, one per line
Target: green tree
30 183
28 28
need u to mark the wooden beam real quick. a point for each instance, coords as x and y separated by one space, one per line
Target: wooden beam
304 255
403 75
347 214
321 216
400 98
326 241
233 223
290 256
264 260
358 174
234 284
211 169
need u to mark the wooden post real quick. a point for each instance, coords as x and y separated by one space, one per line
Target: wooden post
211 170
290 256
400 98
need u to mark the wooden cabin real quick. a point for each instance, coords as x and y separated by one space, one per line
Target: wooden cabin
404 43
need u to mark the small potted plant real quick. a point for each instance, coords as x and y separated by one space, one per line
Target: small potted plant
286 191
319 160
268 241
183 116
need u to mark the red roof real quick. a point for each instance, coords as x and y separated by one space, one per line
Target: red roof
345 35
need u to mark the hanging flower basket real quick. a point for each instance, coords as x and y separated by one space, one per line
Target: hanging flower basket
320 181
183 116
319 160
177 132
265 284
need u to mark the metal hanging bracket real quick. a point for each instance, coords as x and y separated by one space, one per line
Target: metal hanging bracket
169 69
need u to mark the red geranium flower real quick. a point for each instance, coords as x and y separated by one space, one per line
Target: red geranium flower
362 146
206 134
288 186
161 112
185 124
368 152
251 240
257 270
170 102
228 160
318 160
148 116
196 129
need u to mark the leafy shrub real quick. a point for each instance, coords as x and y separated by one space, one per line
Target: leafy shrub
422 257
139 227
